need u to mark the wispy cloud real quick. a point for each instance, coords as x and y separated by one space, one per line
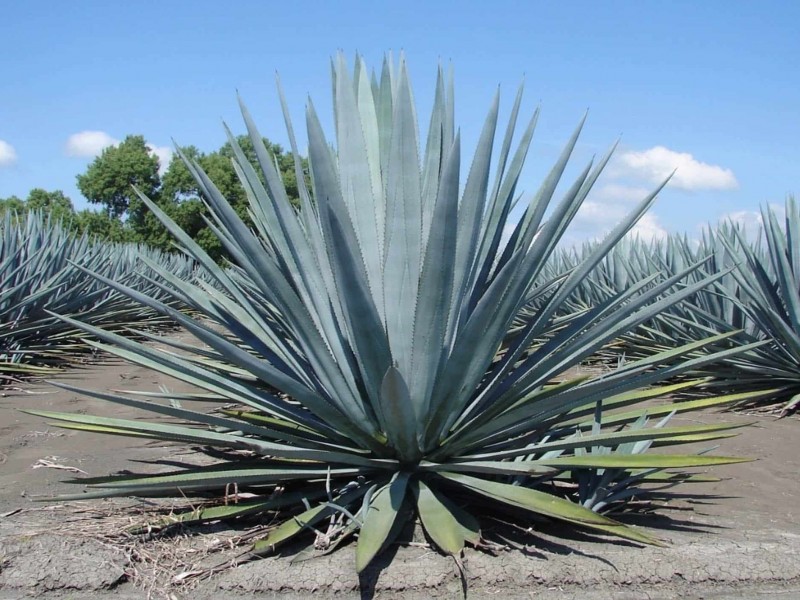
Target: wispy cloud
8 156
88 144
655 164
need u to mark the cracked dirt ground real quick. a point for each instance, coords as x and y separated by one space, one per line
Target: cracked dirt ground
738 538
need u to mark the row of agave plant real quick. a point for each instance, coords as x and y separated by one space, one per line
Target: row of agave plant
45 270
756 298
381 350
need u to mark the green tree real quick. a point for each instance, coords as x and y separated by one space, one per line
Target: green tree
102 226
55 204
179 185
11 204
109 179
184 202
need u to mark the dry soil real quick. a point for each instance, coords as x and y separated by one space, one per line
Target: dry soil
739 538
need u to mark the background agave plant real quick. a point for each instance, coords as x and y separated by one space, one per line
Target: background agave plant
768 284
366 338
41 272
753 299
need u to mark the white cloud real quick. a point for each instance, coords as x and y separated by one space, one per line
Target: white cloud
598 216
605 208
593 220
657 163
164 154
751 222
88 144
8 156
648 229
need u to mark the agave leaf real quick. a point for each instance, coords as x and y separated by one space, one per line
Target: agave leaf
691 439
104 429
490 467
291 241
356 175
259 430
471 356
436 148
531 415
290 528
380 519
634 397
205 514
657 476
526 377
472 208
547 505
502 197
435 289
210 478
299 523
274 422
490 402
533 216
371 345
403 225
182 433
439 521
307 210
213 382
346 258
603 439
384 109
397 408
266 274
640 461
369 121
623 319
193 249
239 319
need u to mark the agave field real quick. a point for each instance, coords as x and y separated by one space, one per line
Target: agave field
754 299
385 356
44 270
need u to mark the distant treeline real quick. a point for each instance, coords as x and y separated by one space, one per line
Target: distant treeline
109 180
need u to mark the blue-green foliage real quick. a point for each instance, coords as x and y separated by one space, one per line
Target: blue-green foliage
43 270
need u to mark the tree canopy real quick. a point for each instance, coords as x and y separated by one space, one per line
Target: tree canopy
55 203
110 178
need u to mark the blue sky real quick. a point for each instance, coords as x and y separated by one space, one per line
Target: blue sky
711 87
